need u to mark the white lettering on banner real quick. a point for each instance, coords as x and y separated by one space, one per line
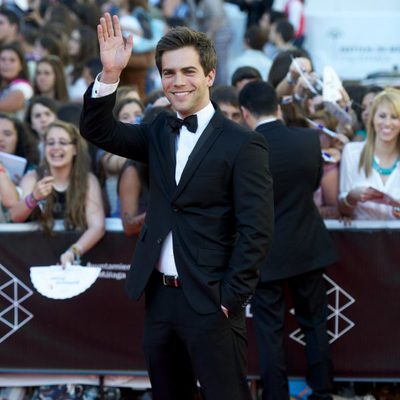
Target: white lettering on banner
338 301
118 267
13 292
112 275
111 271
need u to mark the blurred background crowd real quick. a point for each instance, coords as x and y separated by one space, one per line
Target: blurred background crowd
49 55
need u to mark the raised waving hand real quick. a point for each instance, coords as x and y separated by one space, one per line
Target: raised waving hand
114 49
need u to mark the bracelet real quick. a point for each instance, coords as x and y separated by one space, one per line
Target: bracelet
30 201
347 203
76 251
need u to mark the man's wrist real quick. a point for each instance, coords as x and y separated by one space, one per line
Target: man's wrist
108 78
101 89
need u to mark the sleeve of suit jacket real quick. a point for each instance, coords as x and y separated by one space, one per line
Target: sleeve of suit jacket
98 126
253 207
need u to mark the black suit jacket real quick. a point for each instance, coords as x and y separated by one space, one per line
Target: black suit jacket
220 213
301 241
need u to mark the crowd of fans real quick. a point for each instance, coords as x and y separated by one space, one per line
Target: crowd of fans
49 55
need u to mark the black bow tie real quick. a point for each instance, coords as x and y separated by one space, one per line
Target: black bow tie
176 123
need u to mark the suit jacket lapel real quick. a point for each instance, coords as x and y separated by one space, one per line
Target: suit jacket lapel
203 145
172 155
167 156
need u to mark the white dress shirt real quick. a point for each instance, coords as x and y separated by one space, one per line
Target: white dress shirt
185 143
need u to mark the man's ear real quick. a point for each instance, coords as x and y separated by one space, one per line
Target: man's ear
245 113
211 77
279 114
248 118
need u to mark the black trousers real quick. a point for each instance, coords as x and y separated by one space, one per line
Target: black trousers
182 346
308 293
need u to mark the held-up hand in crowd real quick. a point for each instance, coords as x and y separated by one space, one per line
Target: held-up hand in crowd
43 188
302 88
300 62
115 51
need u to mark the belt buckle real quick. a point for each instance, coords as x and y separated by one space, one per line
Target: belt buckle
169 280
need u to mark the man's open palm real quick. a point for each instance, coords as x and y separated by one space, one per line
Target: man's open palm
114 50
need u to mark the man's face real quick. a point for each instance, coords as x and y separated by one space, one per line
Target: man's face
8 31
184 82
231 112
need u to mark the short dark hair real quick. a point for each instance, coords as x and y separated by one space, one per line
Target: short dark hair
259 98
246 72
225 94
11 16
255 37
285 29
181 36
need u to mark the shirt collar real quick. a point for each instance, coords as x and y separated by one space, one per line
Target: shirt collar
265 121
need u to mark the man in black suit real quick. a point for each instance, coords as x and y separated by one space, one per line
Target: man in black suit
208 222
301 248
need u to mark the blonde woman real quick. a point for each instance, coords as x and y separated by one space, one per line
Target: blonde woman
370 169
63 188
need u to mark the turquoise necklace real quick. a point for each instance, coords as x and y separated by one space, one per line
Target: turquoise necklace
384 171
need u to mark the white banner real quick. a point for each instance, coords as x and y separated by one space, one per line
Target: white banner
355 44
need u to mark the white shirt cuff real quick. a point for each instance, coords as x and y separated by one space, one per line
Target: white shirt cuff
101 89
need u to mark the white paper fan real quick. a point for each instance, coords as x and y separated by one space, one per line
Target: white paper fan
57 283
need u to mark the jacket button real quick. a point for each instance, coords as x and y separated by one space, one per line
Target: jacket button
159 241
